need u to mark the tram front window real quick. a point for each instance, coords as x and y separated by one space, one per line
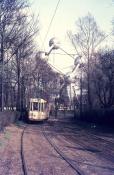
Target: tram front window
35 106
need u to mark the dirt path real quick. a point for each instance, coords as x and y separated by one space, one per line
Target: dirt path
90 154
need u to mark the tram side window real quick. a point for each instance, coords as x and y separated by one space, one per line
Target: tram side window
42 107
39 106
45 106
31 106
35 106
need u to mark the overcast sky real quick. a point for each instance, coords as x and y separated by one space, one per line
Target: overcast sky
67 13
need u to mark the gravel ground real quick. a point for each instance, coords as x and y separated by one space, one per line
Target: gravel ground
87 152
93 155
41 158
88 161
10 162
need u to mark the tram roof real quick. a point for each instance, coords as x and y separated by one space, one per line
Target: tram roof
40 100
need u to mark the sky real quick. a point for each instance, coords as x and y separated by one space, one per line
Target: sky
67 14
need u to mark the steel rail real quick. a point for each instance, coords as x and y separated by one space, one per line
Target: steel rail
103 153
64 157
24 168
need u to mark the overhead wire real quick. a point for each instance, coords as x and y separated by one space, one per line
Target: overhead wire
51 20
109 34
47 35
62 53
67 53
56 69
30 10
71 55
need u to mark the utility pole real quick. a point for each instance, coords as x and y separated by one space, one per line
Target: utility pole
81 94
2 61
70 97
2 89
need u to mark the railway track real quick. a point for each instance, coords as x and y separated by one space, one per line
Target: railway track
62 155
74 165
76 129
24 167
105 153
93 135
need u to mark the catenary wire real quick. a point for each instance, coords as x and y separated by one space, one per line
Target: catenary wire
51 20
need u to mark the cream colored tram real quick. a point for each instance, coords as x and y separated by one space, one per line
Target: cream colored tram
38 109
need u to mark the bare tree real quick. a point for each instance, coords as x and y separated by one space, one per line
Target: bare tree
103 78
46 80
16 40
86 42
9 13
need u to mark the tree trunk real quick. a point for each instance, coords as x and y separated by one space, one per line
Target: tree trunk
18 100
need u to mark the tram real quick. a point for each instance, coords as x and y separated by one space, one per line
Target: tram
38 109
